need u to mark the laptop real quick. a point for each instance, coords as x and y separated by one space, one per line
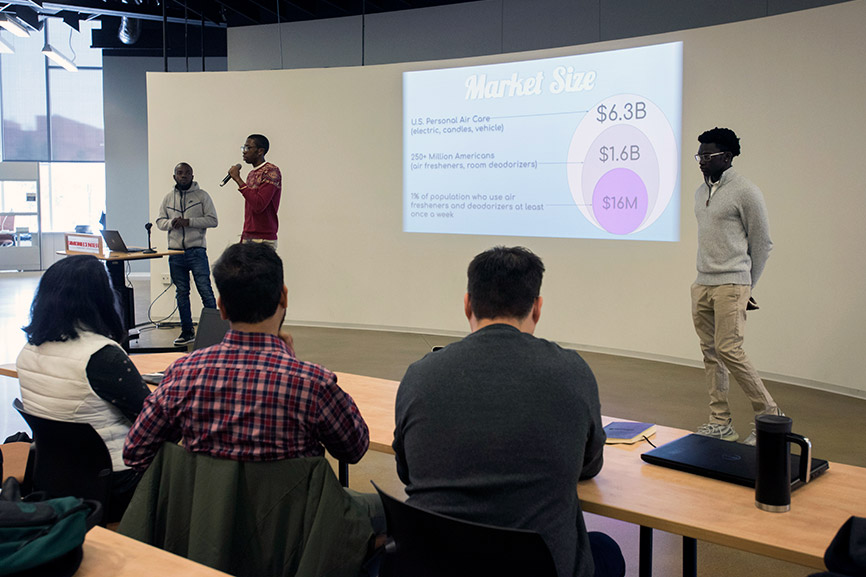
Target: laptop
718 459
115 242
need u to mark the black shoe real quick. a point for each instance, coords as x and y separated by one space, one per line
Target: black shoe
184 339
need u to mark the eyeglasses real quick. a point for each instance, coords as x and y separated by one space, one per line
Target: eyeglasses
246 147
707 156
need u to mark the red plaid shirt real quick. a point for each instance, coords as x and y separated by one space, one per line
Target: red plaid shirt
248 399
262 200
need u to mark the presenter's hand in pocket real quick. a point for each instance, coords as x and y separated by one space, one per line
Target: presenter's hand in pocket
752 305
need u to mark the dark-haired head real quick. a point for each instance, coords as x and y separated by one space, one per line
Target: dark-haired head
249 278
724 138
74 294
504 282
261 142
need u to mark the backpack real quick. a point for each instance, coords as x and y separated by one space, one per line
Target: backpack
42 536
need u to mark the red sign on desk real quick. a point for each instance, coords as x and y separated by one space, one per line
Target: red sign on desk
83 244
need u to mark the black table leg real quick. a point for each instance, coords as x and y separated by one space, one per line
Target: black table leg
343 470
645 563
690 557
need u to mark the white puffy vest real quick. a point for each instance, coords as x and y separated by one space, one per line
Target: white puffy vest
54 385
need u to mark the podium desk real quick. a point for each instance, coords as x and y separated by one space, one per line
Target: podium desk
114 263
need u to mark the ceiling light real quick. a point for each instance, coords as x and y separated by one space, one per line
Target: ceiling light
14 25
58 58
5 48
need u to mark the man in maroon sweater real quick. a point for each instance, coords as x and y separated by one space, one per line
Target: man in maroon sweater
261 192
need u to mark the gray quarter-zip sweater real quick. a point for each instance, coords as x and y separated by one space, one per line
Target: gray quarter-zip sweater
733 232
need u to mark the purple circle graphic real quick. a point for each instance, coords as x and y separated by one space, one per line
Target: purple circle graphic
619 201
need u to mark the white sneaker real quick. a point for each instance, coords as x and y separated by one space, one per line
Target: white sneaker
753 437
723 432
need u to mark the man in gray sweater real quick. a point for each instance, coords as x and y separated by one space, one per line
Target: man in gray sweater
499 427
733 247
186 213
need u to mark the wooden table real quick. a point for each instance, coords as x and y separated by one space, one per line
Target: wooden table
659 498
110 553
681 503
656 497
723 513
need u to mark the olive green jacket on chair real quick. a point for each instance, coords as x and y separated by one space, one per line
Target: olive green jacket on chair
275 518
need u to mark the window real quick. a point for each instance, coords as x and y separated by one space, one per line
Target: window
24 94
55 117
73 194
48 113
76 116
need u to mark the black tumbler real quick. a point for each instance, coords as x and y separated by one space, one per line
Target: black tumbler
773 483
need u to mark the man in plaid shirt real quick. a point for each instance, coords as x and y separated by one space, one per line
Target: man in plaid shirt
249 398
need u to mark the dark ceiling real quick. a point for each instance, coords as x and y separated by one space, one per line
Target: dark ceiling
144 20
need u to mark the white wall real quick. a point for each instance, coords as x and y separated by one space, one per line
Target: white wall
126 167
790 85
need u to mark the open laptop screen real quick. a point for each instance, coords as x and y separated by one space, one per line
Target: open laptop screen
115 242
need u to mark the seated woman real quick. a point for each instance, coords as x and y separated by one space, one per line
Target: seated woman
73 368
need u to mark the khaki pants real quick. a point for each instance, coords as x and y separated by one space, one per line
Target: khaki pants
719 314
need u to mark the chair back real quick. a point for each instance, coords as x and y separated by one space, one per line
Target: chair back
211 329
427 544
71 460
285 518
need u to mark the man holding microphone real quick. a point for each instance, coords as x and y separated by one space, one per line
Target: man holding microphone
261 192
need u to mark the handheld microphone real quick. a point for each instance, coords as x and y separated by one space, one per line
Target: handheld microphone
149 250
229 176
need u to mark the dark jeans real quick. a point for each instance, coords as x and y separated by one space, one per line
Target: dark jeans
193 260
607 555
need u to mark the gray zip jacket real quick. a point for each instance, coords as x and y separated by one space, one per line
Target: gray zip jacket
194 204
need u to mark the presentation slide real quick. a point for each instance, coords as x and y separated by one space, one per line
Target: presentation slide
583 146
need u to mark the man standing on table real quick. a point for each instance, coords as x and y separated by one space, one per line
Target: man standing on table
499 427
733 247
261 192
186 213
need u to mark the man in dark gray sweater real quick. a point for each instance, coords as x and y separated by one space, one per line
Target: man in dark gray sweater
499 427
733 247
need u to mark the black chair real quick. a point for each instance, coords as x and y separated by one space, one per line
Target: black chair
426 544
211 329
71 460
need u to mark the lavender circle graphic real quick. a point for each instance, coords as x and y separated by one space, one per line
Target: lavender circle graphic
619 201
